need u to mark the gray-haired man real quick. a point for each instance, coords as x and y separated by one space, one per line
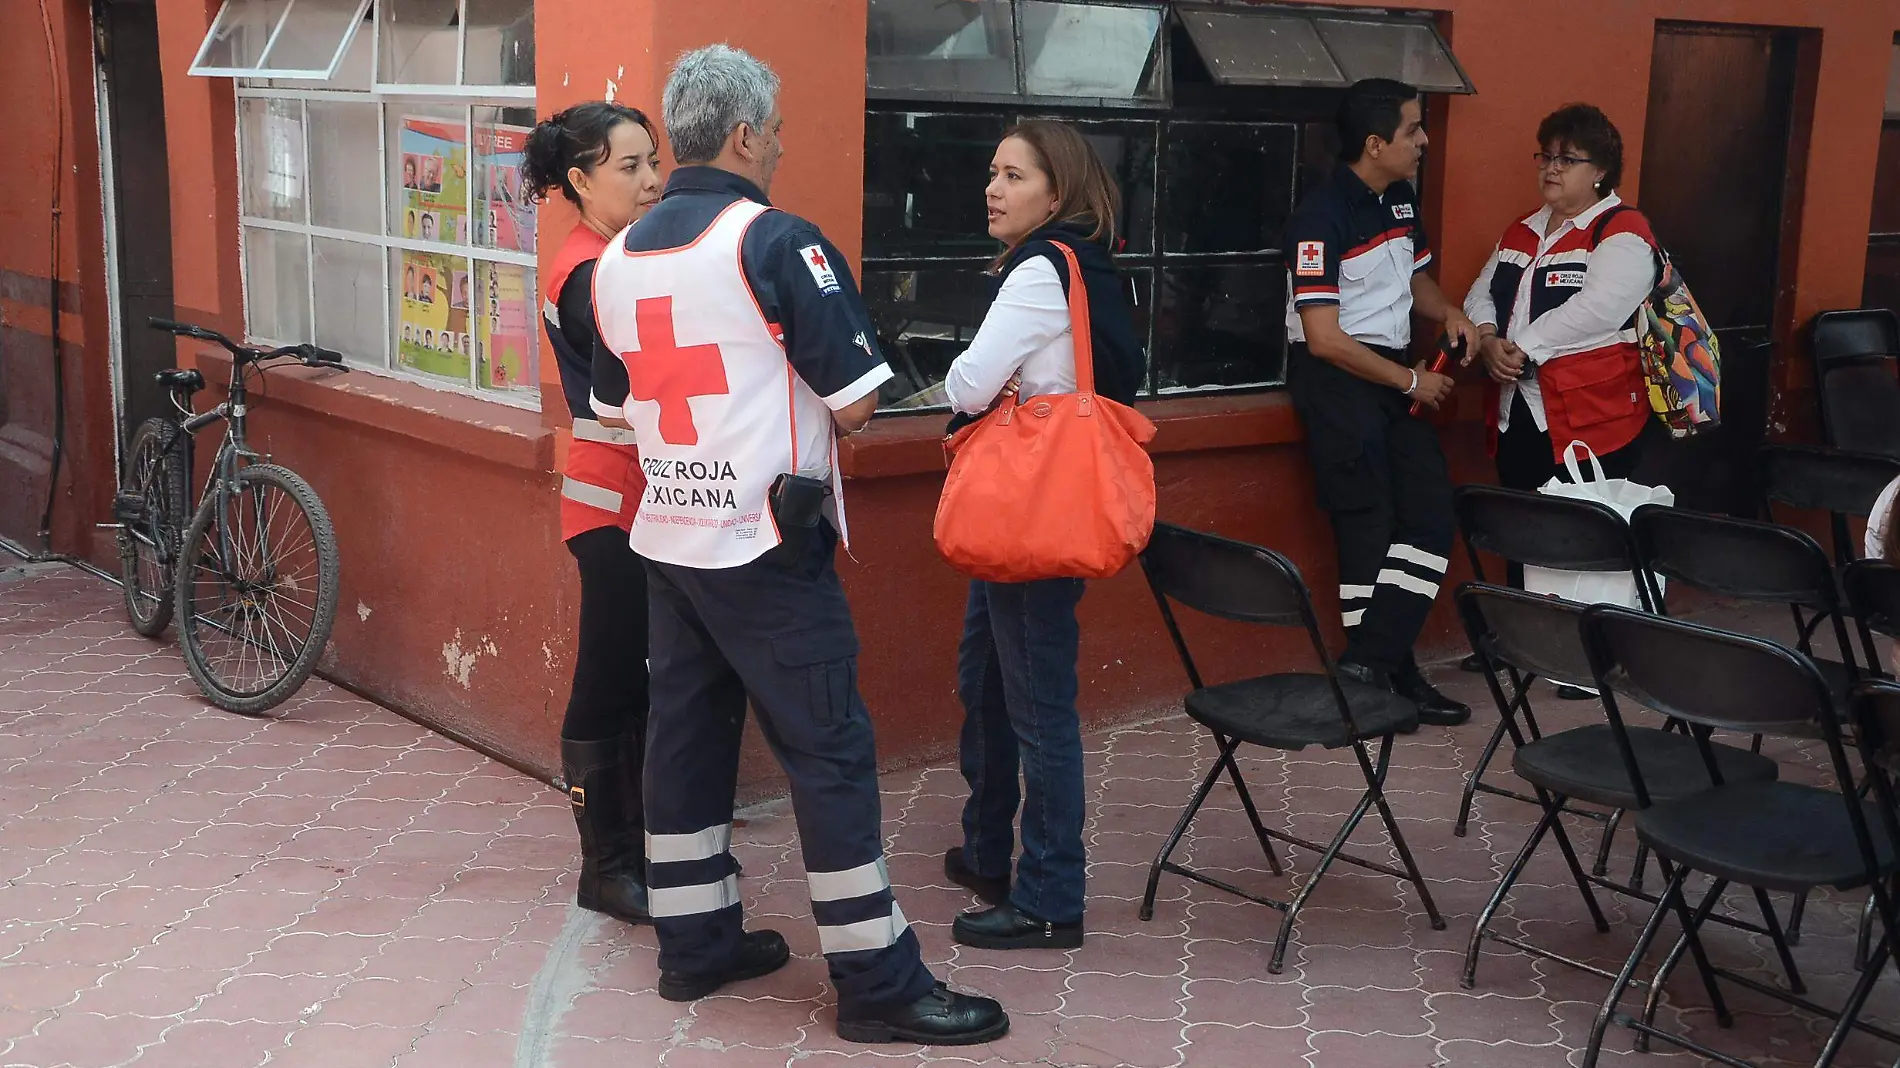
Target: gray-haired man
745 349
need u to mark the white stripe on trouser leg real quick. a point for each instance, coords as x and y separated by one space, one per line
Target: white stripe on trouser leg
586 493
703 844
1417 556
1347 595
1408 583
879 932
861 881
701 898
1354 617
1354 593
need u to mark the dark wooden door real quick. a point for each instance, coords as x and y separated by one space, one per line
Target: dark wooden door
1716 163
141 222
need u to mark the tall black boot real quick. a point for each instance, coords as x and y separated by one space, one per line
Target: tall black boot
613 850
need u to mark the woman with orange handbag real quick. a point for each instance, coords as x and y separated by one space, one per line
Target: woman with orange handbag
1053 203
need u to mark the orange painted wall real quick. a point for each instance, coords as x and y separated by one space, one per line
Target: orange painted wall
447 514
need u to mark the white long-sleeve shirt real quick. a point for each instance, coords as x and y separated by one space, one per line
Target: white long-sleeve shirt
1027 330
1620 275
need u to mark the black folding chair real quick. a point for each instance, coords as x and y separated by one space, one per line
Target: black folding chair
1876 710
1873 592
1526 634
1856 360
1843 484
1288 711
1535 530
1763 835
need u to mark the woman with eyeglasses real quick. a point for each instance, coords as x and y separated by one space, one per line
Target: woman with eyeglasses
1555 307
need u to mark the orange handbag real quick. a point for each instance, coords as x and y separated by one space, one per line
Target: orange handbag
1050 487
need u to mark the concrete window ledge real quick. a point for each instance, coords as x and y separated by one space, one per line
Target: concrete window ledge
897 445
461 424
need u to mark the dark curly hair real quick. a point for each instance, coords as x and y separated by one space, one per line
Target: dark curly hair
576 137
1587 129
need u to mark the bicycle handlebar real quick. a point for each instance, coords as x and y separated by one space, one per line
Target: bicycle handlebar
308 355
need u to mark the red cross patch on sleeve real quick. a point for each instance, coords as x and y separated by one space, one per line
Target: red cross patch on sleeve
820 267
1311 261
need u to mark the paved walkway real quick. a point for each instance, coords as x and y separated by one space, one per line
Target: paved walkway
338 887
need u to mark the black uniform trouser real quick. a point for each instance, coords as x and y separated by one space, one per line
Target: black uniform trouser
1381 477
609 697
783 634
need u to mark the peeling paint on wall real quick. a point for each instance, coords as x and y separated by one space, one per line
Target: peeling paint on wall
362 612
461 663
612 88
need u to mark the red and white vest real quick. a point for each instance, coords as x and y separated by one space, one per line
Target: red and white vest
601 485
718 410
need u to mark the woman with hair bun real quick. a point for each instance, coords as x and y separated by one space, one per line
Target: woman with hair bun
604 159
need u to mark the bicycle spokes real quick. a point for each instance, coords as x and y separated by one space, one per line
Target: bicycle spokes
253 592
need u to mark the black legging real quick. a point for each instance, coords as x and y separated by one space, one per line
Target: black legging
610 665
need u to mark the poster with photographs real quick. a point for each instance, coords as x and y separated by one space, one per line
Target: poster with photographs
503 216
434 336
505 326
434 180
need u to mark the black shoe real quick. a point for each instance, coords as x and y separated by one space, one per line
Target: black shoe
613 849
942 1017
1371 676
1473 664
1005 927
760 953
989 891
1574 693
1434 708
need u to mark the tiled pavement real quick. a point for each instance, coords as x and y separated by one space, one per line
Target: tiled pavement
338 887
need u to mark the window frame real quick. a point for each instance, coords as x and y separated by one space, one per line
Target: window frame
198 69
387 99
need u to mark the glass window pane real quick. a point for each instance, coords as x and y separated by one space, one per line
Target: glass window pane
428 163
1221 325
431 331
1128 149
1140 283
273 159
1081 50
314 34
1230 186
924 320
419 42
500 43
503 216
924 177
968 46
507 334
1408 51
1257 48
1319 155
357 71
350 308
345 188
277 285
237 40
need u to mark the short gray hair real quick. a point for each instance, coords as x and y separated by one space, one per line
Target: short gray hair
710 92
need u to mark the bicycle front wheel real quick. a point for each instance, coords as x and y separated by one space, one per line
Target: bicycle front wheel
151 509
257 589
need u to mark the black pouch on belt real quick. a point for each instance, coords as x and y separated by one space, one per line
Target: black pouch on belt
798 503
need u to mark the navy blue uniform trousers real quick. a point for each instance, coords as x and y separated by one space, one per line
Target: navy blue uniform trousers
782 633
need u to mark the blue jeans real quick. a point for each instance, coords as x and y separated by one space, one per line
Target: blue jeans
1016 677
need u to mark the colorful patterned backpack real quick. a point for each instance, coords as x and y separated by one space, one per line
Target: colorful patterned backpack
1682 360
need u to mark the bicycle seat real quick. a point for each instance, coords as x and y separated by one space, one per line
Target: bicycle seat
188 379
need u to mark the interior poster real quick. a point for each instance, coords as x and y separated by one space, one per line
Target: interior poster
436 288
503 216
505 326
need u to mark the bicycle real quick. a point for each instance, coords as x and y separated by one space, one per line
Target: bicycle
253 581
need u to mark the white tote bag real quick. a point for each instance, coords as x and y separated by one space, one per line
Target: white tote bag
1595 587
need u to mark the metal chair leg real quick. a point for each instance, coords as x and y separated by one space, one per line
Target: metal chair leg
1780 940
1278 961
1469 978
1180 828
1253 815
1576 873
1594 1048
1855 1001
1398 839
1692 934
1863 941
1602 865
1660 980
1477 772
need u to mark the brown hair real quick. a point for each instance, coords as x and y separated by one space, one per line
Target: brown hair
1085 192
1586 129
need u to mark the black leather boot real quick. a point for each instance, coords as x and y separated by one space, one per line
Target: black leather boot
942 1017
1007 927
989 891
761 952
613 850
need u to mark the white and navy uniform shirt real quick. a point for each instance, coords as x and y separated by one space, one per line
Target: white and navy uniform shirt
741 330
1349 246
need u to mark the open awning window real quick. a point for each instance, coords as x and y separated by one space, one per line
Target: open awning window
279 38
1081 51
1320 49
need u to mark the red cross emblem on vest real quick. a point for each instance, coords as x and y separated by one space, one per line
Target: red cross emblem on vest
661 370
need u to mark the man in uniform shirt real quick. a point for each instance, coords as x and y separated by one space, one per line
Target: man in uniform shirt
745 350
1356 252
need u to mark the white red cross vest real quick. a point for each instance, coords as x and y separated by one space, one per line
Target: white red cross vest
717 409
601 485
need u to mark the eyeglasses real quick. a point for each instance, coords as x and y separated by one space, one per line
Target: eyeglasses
1564 163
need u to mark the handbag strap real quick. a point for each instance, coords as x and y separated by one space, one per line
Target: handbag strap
1079 332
